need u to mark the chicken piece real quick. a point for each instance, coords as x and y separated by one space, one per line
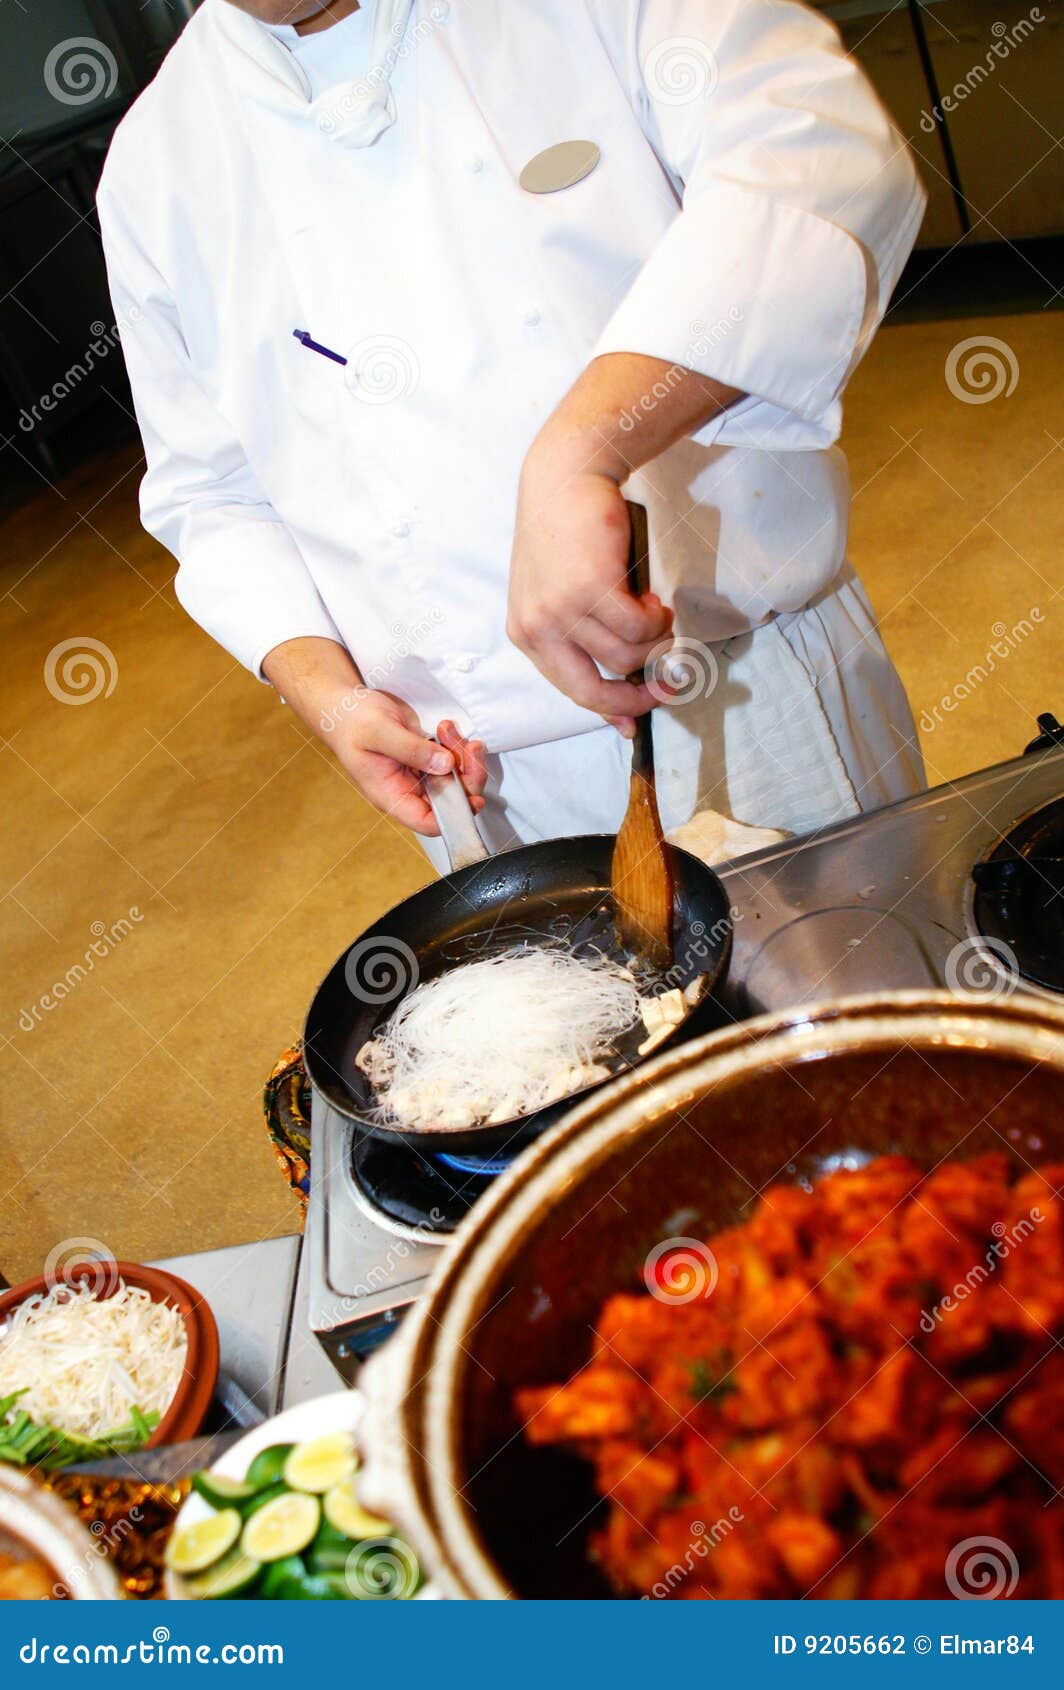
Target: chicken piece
1034 1417
883 1412
779 1225
967 1197
957 1465
854 1202
1032 1260
791 1374
644 1483
640 1332
599 1403
964 1322
807 1546
741 1571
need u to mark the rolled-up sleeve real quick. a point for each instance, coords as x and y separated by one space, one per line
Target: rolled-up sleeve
240 573
799 199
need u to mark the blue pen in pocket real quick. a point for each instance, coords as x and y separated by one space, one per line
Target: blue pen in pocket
303 337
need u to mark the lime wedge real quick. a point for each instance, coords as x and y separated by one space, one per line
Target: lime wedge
320 1464
219 1491
193 1548
259 1498
344 1511
268 1465
231 1576
283 1527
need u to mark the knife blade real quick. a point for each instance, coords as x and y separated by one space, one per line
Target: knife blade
165 1465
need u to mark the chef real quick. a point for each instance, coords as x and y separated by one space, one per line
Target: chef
414 293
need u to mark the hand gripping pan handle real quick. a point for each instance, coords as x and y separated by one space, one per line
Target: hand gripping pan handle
454 817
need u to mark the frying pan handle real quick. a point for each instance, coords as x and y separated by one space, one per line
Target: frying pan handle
638 550
638 584
454 817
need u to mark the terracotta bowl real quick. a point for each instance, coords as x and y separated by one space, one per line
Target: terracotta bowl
677 1147
186 1412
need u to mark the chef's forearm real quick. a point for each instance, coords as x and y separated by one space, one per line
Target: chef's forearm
314 676
626 409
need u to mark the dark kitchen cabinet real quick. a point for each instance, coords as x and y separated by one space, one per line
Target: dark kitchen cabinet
1000 74
58 350
885 46
68 69
978 93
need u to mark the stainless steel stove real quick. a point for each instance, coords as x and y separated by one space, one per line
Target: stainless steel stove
885 901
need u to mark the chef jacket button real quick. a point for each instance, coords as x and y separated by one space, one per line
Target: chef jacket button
400 530
532 317
464 665
476 164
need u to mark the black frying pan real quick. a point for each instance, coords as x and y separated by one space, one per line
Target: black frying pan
559 889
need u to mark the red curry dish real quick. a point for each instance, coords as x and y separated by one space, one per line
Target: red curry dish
856 1393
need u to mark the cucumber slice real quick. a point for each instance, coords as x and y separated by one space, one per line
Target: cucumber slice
321 1463
268 1465
283 1527
288 1580
221 1492
193 1548
231 1576
343 1510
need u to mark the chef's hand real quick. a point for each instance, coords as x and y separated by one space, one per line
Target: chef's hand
376 737
384 749
570 608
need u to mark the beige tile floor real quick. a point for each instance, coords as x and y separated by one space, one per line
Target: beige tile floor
184 824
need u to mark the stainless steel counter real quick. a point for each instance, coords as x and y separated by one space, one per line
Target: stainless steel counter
258 1293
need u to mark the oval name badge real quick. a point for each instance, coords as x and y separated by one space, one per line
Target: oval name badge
560 166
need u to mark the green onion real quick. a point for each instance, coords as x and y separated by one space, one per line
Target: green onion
24 1442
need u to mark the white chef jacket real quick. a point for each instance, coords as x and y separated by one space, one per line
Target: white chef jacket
750 214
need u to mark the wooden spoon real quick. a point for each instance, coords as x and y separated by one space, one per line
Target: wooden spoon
641 873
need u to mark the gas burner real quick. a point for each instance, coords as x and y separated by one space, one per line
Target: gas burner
1019 897
423 1196
487 1165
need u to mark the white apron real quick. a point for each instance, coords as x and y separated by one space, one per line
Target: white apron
774 743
